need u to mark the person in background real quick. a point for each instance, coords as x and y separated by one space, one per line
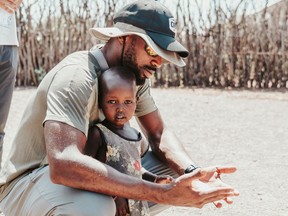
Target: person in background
47 172
8 60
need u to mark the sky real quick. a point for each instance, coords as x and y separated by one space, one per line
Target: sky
204 5
252 6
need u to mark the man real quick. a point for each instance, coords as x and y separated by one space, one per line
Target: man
56 121
8 60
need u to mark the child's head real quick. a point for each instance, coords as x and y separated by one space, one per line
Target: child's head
117 95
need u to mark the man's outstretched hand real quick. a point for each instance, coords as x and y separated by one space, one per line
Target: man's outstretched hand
201 187
213 178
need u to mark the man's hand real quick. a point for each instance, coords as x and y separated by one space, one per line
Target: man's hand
10 5
199 188
213 178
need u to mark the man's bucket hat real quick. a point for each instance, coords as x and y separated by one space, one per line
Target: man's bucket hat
153 22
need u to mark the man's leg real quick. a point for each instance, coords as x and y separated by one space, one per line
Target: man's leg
151 163
36 195
8 67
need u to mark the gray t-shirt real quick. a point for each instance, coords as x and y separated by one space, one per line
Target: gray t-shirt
69 94
8 29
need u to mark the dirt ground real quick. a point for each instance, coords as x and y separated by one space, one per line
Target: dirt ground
248 129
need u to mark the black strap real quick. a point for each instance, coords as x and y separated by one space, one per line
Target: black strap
98 55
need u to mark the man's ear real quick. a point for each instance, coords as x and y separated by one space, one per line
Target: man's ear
122 39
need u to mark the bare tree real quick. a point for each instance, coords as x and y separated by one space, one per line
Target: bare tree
228 47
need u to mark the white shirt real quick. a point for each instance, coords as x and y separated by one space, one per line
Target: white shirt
8 32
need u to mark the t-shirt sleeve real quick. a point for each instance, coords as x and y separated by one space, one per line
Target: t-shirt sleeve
145 103
68 97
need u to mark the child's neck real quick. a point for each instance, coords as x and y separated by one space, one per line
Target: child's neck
125 131
112 126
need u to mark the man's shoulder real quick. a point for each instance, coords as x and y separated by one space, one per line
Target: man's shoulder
79 60
81 54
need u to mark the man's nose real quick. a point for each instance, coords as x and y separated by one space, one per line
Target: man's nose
157 62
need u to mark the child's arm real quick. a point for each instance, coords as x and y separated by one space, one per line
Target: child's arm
161 179
148 176
122 207
95 145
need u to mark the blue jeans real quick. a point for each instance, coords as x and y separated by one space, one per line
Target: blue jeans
8 68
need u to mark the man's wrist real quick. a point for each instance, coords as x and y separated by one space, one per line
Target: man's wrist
191 168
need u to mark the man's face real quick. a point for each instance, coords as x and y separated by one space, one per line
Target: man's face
141 58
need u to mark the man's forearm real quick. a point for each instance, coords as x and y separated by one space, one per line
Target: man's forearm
86 173
171 150
164 142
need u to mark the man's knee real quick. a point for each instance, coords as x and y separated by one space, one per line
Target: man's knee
100 206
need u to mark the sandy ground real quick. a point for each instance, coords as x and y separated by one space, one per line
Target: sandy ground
246 128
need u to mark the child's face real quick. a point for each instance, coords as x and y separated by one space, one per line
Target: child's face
119 103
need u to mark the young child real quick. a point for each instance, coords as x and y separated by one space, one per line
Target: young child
114 142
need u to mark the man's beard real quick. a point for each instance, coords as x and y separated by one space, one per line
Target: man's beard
139 80
129 61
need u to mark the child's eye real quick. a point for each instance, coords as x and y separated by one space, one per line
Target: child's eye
128 102
111 101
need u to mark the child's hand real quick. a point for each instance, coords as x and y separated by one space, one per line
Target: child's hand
121 206
163 179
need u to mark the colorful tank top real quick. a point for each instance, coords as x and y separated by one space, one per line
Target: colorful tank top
125 156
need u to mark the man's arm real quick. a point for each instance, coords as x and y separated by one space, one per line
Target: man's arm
164 142
68 166
169 149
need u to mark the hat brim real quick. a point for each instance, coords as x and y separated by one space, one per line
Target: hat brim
168 43
123 29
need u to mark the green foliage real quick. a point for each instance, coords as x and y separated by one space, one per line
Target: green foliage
40 72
